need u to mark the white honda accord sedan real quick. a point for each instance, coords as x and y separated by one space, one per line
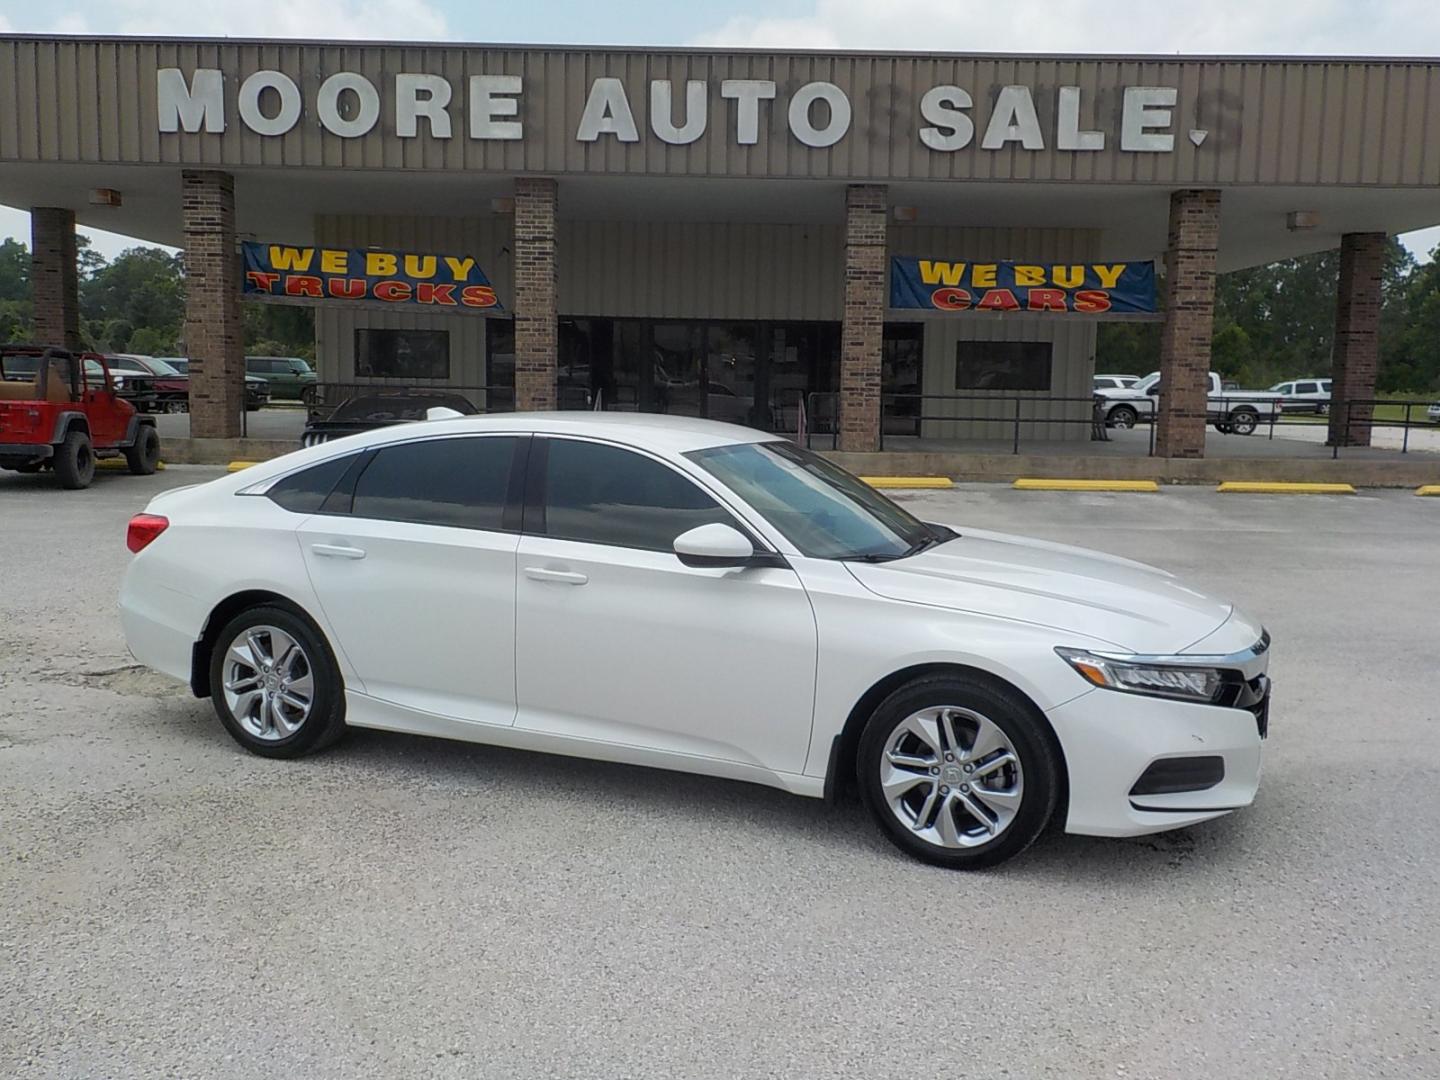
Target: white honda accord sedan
706 598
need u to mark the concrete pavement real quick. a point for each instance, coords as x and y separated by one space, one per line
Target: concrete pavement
404 907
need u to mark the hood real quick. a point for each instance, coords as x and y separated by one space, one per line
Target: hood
1131 606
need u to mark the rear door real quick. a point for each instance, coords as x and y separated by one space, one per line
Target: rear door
620 642
415 571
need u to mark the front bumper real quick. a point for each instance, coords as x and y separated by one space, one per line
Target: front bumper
1110 739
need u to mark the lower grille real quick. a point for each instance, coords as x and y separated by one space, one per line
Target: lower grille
313 438
1171 775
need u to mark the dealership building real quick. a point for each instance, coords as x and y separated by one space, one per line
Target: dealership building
857 241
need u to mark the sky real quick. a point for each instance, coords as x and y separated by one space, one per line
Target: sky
1309 27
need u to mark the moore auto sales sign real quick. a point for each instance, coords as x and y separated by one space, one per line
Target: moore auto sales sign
818 114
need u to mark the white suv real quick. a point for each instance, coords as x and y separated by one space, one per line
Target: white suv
1304 395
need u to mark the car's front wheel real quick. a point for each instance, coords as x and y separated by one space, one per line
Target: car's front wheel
958 771
1122 416
275 684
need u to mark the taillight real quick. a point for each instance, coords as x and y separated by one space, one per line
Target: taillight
143 529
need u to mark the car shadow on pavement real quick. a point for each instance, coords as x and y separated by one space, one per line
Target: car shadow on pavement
843 829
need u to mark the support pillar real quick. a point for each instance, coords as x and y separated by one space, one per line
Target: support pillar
214 331
1189 323
54 277
536 315
864 317
1356 356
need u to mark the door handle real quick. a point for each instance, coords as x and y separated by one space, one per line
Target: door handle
338 551
560 577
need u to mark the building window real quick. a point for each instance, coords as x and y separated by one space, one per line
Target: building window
1002 365
902 377
402 354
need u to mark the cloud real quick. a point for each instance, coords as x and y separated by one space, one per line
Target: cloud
1381 27
404 20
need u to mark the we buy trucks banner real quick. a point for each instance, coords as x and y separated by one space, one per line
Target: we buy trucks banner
1113 288
300 274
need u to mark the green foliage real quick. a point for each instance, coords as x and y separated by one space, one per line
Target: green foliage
1277 322
279 330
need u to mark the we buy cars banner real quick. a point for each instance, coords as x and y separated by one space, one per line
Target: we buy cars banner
302 274
1115 288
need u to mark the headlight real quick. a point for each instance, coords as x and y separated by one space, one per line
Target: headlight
1143 675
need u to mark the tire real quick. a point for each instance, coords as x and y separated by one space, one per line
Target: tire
1122 416
75 461
252 721
144 457
1322 409
907 726
308 395
1244 421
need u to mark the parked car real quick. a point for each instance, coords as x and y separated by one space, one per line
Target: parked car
1304 395
60 411
706 598
1115 382
149 384
366 412
290 378
1237 411
257 390
1433 412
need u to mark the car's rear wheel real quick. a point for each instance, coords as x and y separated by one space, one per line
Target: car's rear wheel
308 395
958 771
275 684
1122 416
1244 421
143 457
75 461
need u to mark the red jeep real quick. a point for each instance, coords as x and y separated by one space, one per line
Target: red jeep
59 410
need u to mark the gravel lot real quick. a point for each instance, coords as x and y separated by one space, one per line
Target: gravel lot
401 907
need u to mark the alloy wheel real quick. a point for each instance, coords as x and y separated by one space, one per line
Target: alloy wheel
269 685
952 777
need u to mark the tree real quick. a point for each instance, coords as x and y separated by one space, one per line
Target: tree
143 289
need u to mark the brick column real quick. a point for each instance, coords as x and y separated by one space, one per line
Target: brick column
54 277
214 334
1356 355
1189 323
536 201
864 318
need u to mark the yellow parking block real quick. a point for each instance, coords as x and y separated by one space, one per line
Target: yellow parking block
236 466
1262 487
119 464
1033 484
908 481
1428 489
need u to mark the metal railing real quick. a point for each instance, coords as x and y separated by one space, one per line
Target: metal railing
484 398
908 415
905 414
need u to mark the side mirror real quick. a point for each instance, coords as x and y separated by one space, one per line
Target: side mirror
1153 391
713 546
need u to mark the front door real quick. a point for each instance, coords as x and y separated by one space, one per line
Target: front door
418 580
618 641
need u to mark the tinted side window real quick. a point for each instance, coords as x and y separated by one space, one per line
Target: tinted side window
606 495
456 482
1306 388
304 493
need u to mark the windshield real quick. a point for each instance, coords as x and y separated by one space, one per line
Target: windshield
820 508
158 366
1147 382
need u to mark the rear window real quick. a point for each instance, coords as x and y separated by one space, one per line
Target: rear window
305 491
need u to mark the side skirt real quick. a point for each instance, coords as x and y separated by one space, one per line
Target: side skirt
364 711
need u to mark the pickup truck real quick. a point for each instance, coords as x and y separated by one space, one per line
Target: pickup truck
1237 411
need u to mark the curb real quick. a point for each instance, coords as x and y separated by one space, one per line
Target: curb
908 481
1260 487
1026 483
121 465
1428 489
236 466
